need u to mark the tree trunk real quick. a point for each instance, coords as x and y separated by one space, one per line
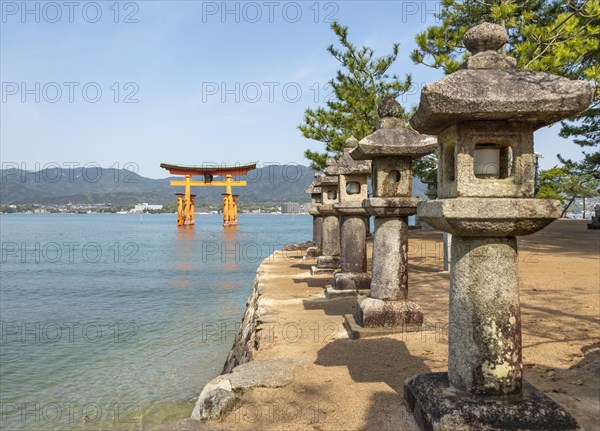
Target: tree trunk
567 207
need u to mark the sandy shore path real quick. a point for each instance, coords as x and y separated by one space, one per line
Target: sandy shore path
349 384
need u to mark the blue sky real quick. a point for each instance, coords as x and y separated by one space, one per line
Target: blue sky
187 81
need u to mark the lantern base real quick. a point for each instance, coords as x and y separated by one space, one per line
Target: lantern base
315 270
333 293
352 281
313 251
377 313
356 330
332 262
437 406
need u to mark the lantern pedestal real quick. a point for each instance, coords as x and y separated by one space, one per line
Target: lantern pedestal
388 305
352 189
353 248
329 261
315 250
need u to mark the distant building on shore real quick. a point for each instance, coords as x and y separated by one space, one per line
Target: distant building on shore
290 208
140 208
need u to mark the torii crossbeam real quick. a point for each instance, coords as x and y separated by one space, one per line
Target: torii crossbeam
185 207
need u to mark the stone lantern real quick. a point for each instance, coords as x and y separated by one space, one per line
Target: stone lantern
431 190
352 190
391 149
484 115
315 200
329 260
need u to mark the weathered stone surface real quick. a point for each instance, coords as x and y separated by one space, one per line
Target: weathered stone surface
351 209
268 373
392 177
314 211
328 262
348 165
439 407
318 231
356 330
316 270
316 195
484 351
515 169
390 108
313 251
485 37
352 281
332 293
313 189
327 210
489 60
246 341
489 217
376 313
353 247
391 207
331 236
390 259
328 180
499 94
394 142
391 123
222 394
318 179
216 398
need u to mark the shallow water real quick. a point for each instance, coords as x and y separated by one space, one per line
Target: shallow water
116 321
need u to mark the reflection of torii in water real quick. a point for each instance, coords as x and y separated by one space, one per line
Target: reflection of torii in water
185 207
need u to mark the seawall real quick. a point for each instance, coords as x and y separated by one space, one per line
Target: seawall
246 341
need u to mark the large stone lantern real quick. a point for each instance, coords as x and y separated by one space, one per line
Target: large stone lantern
352 190
316 198
485 115
391 148
329 260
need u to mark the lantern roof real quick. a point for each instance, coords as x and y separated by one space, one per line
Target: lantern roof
488 86
392 138
346 165
313 189
398 141
329 180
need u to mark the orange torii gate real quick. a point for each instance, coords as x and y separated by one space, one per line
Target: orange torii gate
185 201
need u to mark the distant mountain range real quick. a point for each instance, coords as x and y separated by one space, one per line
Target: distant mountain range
276 183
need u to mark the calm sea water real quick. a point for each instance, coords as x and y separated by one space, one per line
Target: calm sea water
115 321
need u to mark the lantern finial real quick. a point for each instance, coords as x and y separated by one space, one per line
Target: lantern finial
389 107
485 37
